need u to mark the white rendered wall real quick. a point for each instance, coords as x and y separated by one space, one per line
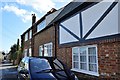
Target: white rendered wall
73 24
108 26
92 14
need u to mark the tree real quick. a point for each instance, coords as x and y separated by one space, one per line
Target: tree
13 53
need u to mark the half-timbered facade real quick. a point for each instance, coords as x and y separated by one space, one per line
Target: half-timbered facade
89 39
84 35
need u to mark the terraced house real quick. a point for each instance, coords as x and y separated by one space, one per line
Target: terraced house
84 35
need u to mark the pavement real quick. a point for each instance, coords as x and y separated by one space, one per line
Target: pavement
8 71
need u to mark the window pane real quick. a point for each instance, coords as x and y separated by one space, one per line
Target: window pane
92 51
48 49
40 50
93 67
92 59
26 36
75 50
30 34
83 66
76 65
30 52
25 53
41 26
82 51
82 58
75 57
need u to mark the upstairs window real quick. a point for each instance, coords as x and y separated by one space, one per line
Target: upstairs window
30 34
41 26
26 36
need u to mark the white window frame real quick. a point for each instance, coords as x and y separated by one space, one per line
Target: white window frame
46 49
41 50
41 26
26 36
30 51
25 52
87 57
30 34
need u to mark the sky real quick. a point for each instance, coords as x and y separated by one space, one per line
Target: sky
15 17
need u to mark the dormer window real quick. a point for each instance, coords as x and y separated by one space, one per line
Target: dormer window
41 26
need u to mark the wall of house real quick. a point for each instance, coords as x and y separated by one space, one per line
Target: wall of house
91 23
27 45
108 58
44 37
108 48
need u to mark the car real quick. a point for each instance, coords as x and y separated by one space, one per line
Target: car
44 68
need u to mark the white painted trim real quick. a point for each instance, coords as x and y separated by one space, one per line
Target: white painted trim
51 48
86 72
41 47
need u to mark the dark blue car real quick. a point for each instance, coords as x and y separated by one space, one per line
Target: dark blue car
44 68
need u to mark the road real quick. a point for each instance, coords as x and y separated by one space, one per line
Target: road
8 72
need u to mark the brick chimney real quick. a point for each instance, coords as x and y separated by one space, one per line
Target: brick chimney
33 19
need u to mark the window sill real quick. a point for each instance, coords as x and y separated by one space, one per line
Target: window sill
85 72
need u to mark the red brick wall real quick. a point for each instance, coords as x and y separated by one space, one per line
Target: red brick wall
27 45
44 37
65 55
108 58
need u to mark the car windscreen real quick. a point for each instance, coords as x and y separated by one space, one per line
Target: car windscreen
38 64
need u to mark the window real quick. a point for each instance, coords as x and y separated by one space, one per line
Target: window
30 52
30 36
25 53
26 36
40 50
84 59
41 26
48 49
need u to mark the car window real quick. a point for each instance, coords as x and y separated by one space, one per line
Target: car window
26 59
23 60
58 64
24 63
39 65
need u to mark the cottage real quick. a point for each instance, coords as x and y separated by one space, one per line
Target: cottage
84 35
89 38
